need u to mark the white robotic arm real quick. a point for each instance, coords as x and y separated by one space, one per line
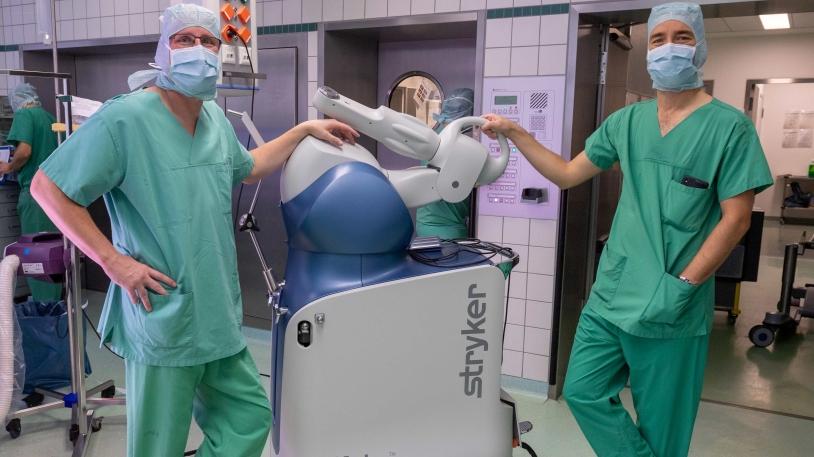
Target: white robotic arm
456 162
403 134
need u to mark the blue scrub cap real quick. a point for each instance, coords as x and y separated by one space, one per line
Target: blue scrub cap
23 96
173 20
458 104
688 13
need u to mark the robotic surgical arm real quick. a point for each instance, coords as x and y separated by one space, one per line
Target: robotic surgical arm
456 162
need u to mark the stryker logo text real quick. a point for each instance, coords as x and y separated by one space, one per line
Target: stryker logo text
476 344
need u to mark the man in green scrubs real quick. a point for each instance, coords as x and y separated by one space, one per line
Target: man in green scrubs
443 219
34 141
166 159
692 166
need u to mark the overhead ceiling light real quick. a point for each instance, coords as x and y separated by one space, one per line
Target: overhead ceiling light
775 21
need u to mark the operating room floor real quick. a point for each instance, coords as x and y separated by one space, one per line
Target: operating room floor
758 402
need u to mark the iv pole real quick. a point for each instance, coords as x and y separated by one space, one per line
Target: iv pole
83 420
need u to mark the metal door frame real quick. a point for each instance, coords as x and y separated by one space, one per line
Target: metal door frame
751 84
479 17
300 42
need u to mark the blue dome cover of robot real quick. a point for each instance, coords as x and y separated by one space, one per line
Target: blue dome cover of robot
351 209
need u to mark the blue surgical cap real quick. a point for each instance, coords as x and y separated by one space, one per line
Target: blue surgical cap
458 104
23 96
173 20
688 13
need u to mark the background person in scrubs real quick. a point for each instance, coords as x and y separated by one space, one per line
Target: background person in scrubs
34 141
443 219
165 159
691 167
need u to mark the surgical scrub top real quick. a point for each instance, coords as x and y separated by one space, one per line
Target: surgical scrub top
33 126
666 212
169 197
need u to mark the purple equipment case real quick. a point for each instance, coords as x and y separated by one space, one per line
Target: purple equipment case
41 256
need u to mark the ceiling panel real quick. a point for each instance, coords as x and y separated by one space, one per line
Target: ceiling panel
716 25
744 23
802 20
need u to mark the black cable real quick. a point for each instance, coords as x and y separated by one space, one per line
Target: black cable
528 449
506 312
93 327
248 140
472 245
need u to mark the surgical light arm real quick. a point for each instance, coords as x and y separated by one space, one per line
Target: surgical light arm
249 224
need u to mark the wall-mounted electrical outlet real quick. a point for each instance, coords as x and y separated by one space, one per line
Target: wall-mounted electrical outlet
227 54
243 56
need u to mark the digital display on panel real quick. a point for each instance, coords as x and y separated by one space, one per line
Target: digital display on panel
505 99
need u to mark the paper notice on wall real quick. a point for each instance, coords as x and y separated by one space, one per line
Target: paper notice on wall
798 138
798 129
792 120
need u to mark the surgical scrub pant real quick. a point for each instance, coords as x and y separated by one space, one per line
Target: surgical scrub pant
666 377
225 397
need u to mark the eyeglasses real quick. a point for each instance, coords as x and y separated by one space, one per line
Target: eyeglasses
183 40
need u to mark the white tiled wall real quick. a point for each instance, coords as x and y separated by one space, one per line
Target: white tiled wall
312 9
332 10
272 13
531 292
81 19
354 9
9 60
525 31
527 46
313 71
375 8
398 8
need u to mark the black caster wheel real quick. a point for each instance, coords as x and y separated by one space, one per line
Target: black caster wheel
14 428
34 399
110 392
73 433
96 425
732 319
761 336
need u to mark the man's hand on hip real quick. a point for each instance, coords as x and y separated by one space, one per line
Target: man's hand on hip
136 278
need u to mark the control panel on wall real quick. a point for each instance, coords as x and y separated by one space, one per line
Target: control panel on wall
238 32
536 103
